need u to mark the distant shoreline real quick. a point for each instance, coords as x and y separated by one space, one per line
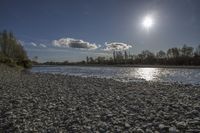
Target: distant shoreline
145 66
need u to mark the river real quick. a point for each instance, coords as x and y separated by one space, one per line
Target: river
128 74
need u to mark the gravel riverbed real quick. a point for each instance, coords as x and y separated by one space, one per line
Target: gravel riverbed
33 102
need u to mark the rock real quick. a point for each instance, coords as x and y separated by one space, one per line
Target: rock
118 98
139 130
192 113
130 96
193 131
97 116
148 125
181 125
109 115
173 130
102 125
127 125
197 108
148 131
195 112
117 129
194 122
197 119
88 127
163 127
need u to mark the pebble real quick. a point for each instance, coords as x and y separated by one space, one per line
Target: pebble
173 130
139 130
163 127
127 125
181 125
148 131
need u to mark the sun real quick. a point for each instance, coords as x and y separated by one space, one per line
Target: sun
147 22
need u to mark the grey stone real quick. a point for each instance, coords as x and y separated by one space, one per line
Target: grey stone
181 125
173 130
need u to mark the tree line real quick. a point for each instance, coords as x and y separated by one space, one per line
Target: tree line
174 56
11 51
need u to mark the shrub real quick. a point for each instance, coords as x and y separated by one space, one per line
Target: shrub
11 51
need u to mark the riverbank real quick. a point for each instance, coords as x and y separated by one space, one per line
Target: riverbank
57 103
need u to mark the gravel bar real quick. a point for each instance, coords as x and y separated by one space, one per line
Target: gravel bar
34 102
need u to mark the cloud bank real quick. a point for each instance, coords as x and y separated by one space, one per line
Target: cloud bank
74 43
116 46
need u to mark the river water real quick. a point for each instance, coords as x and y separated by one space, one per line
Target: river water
128 74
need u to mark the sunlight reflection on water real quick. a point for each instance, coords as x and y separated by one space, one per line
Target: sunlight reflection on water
148 74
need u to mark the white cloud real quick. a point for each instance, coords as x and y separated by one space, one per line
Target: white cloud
116 46
42 45
73 43
20 42
33 44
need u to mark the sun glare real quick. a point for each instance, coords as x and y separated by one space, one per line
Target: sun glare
147 22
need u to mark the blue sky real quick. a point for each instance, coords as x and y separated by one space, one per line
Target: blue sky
39 23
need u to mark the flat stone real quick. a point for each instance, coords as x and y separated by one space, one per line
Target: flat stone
162 127
139 130
181 125
127 125
173 130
